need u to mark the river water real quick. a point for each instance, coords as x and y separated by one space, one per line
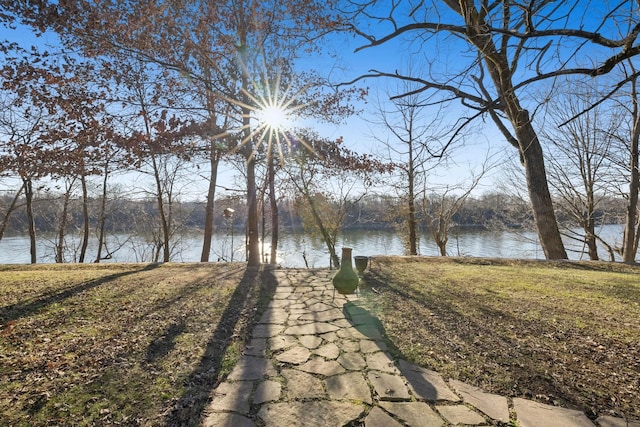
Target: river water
299 250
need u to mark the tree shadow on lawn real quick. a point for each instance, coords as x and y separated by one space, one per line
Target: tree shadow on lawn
250 298
496 348
25 309
425 384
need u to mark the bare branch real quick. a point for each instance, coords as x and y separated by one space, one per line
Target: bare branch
426 85
617 87
428 26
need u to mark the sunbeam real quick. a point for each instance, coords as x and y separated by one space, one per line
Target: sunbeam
271 113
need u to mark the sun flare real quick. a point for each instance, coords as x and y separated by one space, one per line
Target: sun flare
274 116
273 112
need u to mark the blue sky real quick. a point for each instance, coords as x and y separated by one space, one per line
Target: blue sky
357 131
344 64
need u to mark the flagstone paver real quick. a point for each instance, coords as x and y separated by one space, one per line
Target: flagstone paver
534 414
493 405
415 414
301 385
267 330
329 351
378 418
295 355
352 386
318 358
352 361
310 341
460 414
322 367
257 347
252 368
233 397
381 362
267 391
368 346
305 414
426 384
388 386
226 419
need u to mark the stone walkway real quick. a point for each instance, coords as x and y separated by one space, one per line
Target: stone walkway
317 360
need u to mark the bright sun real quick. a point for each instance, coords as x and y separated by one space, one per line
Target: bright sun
273 116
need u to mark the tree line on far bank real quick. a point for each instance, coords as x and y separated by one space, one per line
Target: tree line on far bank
58 215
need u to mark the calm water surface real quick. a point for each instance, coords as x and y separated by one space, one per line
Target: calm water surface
299 250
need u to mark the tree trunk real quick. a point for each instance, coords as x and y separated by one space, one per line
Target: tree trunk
102 218
334 259
592 247
85 219
253 218
62 225
164 223
539 195
413 239
629 244
253 241
275 220
28 193
214 160
590 224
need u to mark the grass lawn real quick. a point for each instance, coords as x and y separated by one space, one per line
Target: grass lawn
560 333
141 344
109 344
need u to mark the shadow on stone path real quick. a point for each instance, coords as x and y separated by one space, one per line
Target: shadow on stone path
317 359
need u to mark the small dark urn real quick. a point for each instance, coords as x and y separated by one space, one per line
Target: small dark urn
346 280
361 264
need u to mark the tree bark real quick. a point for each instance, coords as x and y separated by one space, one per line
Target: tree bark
62 225
590 225
214 161
253 241
629 244
252 237
275 220
85 219
162 212
102 218
28 193
539 195
413 238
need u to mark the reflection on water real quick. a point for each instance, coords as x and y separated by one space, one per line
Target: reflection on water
299 250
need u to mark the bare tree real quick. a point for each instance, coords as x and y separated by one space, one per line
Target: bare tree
510 46
63 221
412 139
439 209
23 152
13 206
328 178
580 161
630 140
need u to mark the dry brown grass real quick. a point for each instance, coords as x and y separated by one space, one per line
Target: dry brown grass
145 344
560 333
126 344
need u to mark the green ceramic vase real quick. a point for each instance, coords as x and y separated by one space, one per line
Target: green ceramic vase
346 280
